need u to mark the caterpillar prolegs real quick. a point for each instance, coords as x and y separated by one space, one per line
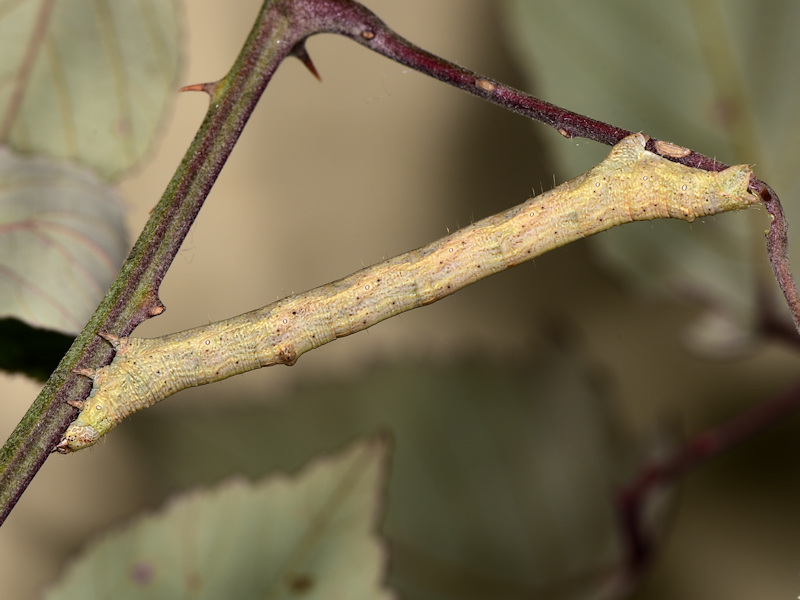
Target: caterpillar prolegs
631 184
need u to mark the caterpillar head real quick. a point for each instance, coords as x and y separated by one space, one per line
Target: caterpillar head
92 423
76 437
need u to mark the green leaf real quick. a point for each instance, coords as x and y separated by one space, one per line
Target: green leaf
503 477
307 536
694 74
87 81
62 239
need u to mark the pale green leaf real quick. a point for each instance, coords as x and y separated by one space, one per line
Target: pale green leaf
308 536
86 81
503 478
62 239
721 78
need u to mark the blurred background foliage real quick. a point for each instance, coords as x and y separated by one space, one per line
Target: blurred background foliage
519 405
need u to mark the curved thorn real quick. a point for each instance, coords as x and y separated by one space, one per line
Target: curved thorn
301 53
208 88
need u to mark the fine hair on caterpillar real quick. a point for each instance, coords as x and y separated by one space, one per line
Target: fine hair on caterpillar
631 184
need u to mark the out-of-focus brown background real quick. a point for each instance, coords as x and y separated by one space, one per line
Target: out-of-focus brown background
376 160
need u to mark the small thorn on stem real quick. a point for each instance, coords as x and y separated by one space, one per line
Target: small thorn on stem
154 306
208 88
111 339
301 53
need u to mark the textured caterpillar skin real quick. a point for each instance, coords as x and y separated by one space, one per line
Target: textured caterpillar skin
631 184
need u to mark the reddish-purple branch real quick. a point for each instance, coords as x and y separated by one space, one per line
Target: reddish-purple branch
355 21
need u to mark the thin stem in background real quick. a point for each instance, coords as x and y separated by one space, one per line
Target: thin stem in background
634 498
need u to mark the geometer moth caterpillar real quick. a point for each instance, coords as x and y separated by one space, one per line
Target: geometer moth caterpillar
631 184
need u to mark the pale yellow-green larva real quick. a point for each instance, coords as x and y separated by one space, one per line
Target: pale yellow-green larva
631 184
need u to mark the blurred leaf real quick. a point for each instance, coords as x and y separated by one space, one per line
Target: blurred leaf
62 239
503 478
307 536
87 81
684 73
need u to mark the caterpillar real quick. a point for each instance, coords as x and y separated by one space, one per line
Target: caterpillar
630 184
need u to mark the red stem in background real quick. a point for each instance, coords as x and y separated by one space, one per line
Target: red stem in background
633 499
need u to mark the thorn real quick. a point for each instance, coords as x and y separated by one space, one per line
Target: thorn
76 403
154 305
90 373
208 88
111 339
301 53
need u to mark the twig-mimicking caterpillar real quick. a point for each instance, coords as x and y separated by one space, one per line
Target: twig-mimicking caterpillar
631 184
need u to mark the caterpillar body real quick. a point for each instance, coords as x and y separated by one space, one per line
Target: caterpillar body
631 184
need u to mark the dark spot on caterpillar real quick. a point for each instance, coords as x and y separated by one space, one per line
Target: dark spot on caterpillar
287 356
